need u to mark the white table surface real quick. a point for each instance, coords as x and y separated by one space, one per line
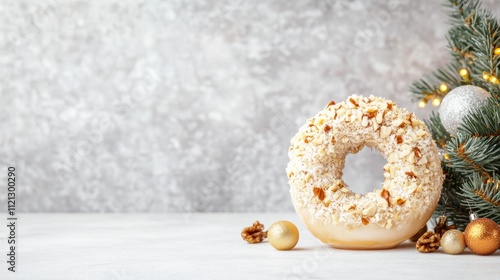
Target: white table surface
209 246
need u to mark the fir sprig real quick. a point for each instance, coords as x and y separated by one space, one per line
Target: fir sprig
428 87
439 133
484 122
472 157
474 154
483 197
450 204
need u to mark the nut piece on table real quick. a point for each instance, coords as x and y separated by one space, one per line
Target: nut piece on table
428 242
254 233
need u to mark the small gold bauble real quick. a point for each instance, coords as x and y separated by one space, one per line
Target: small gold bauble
283 235
417 235
453 242
482 236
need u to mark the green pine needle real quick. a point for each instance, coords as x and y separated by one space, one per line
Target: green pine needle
473 155
484 198
483 122
438 132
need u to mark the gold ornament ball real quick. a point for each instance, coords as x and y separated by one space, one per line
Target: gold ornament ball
283 235
453 242
482 236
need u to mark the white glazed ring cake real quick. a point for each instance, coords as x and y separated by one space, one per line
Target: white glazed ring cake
379 219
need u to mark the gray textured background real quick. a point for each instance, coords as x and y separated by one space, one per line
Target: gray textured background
122 106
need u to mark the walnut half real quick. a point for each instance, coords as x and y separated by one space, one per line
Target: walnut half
254 233
428 242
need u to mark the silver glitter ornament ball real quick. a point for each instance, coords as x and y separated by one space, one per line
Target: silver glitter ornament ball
458 103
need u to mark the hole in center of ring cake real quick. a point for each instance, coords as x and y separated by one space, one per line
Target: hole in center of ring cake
364 171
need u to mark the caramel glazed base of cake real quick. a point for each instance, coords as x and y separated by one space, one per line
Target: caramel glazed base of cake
379 219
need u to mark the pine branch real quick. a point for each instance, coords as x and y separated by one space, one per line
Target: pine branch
458 215
476 154
459 45
472 41
484 36
460 10
493 89
429 84
439 133
484 122
484 198
450 203
472 167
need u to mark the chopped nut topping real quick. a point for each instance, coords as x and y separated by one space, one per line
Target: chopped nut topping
399 123
389 106
421 133
317 141
336 186
330 103
389 224
364 122
327 128
331 114
417 152
385 194
422 161
416 122
385 131
370 211
410 174
400 201
335 195
411 158
392 170
333 140
405 150
319 193
399 139
307 177
393 157
409 118
341 112
365 221
319 121
353 102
